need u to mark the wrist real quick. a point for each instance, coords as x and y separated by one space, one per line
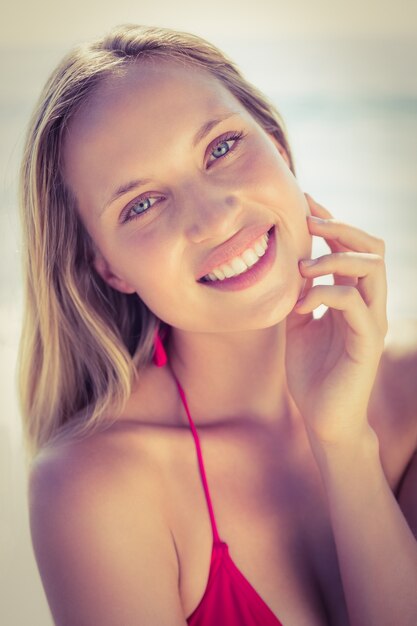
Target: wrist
346 457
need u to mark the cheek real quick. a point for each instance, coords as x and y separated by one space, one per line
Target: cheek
276 187
265 172
266 177
149 258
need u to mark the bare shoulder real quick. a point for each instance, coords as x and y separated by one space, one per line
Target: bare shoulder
101 539
393 414
401 344
393 403
399 370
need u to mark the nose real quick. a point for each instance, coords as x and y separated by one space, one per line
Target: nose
210 213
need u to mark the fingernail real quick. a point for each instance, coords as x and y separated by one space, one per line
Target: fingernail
318 220
309 262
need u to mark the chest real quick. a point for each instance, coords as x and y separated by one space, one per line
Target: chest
271 511
270 508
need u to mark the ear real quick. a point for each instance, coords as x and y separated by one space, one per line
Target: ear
104 270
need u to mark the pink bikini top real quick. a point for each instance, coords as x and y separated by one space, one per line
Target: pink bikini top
229 599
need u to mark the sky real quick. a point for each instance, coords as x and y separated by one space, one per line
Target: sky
45 22
311 45
372 42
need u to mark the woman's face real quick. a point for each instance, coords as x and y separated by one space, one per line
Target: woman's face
154 236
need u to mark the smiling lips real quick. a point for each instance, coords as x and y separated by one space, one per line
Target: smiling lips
240 263
237 254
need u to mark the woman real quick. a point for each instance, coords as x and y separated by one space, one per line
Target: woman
204 450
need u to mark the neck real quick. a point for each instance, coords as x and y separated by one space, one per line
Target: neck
232 376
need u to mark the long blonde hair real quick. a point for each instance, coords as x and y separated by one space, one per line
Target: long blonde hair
84 343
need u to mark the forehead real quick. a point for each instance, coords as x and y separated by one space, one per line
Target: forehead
154 91
135 116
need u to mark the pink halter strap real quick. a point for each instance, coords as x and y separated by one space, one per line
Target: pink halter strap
160 359
160 356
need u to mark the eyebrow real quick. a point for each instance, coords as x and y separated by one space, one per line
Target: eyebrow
202 132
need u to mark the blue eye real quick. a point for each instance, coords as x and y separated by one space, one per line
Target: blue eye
138 208
143 205
222 146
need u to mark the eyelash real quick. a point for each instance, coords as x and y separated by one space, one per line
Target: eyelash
236 136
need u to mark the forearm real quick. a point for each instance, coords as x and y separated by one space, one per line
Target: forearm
376 549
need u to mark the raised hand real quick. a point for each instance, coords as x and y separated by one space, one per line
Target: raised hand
332 361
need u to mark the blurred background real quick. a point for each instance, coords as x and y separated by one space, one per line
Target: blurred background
342 75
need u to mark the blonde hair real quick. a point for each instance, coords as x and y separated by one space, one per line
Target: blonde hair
84 343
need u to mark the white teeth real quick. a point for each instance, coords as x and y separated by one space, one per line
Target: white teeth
259 249
218 274
264 241
228 272
250 257
241 263
238 265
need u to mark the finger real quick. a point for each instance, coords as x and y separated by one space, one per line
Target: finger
333 244
293 321
367 269
349 302
337 244
347 235
316 208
